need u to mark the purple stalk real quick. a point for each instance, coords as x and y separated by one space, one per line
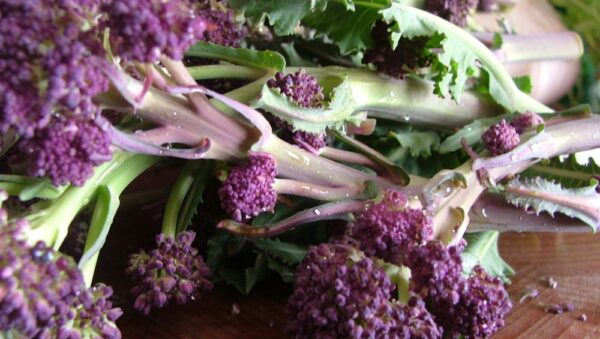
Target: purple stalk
128 142
327 211
317 192
492 212
351 158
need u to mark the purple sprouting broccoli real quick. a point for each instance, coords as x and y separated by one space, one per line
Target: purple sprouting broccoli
248 189
526 121
473 306
484 307
43 294
339 294
455 11
390 229
304 90
221 27
300 87
408 56
412 320
436 276
67 150
500 138
144 30
47 63
172 271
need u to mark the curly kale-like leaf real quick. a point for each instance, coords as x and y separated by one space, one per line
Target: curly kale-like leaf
543 195
568 171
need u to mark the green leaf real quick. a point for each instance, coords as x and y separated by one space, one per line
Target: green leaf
286 273
215 252
543 195
28 188
482 249
351 30
107 204
339 110
471 132
452 66
245 280
418 143
268 60
289 253
568 172
283 15
497 41
189 208
524 83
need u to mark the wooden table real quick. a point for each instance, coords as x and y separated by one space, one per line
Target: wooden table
571 259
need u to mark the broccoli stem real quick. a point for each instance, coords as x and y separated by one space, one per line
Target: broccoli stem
180 189
225 71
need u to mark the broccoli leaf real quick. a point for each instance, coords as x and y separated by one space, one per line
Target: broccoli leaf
245 280
339 110
543 195
418 143
351 30
194 196
240 56
287 252
283 15
568 171
286 273
453 65
482 249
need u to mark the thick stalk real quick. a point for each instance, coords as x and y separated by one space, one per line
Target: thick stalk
317 192
227 71
176 198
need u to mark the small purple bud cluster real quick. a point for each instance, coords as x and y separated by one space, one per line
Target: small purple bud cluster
526 121
47 63
487 5
304 90
300 87
42 293
455 11
339 293
248 189
172 271
473 306
407 57
390 230
144 30
500 138
66 151
221 28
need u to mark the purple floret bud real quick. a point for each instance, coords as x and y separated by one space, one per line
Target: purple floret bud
390 229
47 63
304 90
526 121
144 30
408 56
300 87
484 307
339 294
487 5
500 138
414 321
221 28
455 11
67 150
473 307
43 294
248 189
174 271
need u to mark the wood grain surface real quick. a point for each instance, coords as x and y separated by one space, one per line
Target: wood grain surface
570 259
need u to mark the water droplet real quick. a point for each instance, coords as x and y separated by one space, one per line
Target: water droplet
406 118
172 116
391 94
317 212
484 213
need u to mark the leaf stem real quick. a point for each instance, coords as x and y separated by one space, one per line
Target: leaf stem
225 71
